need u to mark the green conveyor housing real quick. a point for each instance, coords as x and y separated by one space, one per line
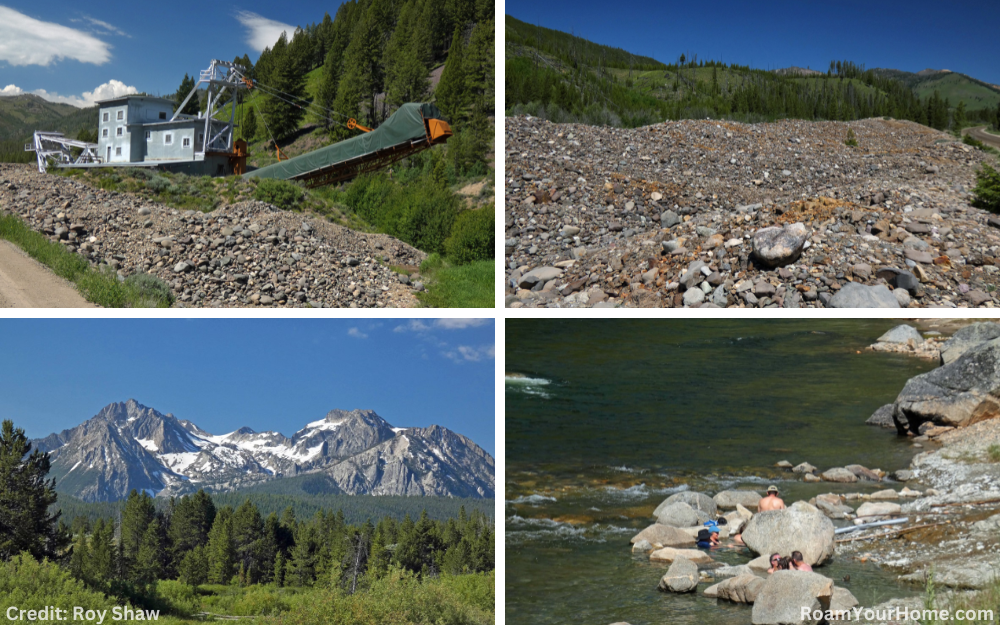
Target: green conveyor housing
412 128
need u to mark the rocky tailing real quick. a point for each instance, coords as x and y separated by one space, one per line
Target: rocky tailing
246 254
667 215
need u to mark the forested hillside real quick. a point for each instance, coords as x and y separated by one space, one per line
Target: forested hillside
565 78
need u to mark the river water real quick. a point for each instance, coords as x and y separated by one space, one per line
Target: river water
613 416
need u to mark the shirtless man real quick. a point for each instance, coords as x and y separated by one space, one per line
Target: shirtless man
771 501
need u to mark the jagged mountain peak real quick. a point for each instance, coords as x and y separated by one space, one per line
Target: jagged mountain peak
128 445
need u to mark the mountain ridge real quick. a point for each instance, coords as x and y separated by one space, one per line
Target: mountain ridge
127 446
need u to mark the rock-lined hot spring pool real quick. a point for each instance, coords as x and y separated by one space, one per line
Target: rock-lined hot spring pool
606 418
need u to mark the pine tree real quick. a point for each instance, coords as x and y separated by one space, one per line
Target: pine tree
25 497
151 558
81 555
248 530
279 569
406 75
959 118
450 92
187 85
478 65
100 566
193 569
190 523
302 567
221 553
284 74
136 517
333 63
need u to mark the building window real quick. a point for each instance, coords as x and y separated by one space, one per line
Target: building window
163 115
168 139
201 138
104 133
105 117
118 151
118 131
147 135
121 115
187 142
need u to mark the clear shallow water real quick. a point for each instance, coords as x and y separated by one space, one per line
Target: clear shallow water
615 415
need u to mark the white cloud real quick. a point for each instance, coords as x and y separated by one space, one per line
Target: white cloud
262 32
108 29
356 333
413 325
466 353
110 89
27 41
461 324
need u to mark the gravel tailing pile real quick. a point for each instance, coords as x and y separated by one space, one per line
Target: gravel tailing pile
246 254
709 213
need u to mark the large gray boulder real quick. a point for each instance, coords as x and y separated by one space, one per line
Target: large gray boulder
883 417
681 577
660 536
678 514
958 394
838 474
729 499
966 338
669 554
785 531
783 595
740 589
902 334
778 246
698 501
843 601
875 510
855 295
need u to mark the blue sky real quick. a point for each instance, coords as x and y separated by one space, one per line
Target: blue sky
79 52
910 35
275 374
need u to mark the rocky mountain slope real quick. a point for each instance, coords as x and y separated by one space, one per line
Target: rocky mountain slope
246 254
669 215
130 446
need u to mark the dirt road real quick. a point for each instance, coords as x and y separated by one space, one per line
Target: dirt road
981 134
26 283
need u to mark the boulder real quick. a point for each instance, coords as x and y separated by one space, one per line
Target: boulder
882 417
760 564
989 526
660 536
681 577
843 601
972 573
740 589
783 595
884 494
875 510
855 295
809 477
744 513
902 334
727 571
778 246
904 475
729 499
641 546
669 554
698 501
678 514
785 531
838 474
804 506
832 506
960 393
864 473
805 467
966 338
783 464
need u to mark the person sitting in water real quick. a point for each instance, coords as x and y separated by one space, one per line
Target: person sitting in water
798 563
775 561
704 540
771 501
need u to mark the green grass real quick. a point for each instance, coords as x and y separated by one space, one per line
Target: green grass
462 286
993 453
100 286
